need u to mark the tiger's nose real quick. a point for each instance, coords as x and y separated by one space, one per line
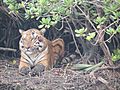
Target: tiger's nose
28 48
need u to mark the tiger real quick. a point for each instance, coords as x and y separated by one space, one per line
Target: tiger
38 54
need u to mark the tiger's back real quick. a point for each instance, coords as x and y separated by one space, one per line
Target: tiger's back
37 52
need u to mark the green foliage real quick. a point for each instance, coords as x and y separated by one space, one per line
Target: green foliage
111 31
118 29
100 20
46 22
90 36
80 32
12 4
51 11
58 9
90 14
111 9
116 55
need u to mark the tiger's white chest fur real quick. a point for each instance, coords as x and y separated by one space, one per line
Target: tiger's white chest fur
35 58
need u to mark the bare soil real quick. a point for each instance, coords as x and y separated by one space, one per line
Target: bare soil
58 79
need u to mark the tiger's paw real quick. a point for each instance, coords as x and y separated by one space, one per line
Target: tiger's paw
25 70
37 70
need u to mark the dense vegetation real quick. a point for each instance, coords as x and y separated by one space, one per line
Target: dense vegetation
90 29
92 24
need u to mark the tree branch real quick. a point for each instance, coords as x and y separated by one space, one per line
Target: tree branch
7 49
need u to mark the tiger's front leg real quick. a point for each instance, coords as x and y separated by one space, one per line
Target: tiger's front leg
24 68
40 67
37 70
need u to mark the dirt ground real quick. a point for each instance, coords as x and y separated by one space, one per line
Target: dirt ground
58 79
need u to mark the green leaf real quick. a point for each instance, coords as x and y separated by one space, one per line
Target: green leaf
53 22
47 26
11 7
43 20
77 35
77 31
116 15
56 17
46 21
80 32
42 2
111 31
90 36
118 29
116 55
40 26
100 20
21 4
32 16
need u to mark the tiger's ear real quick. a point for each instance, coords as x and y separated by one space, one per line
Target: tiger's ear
21 31
43 30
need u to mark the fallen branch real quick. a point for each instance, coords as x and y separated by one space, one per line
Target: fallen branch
105 82
7 49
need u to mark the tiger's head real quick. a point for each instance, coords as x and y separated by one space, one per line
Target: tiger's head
32 41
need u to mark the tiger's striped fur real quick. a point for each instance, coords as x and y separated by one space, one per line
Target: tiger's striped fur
37 50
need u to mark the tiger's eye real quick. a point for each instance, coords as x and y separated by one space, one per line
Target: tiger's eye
22 46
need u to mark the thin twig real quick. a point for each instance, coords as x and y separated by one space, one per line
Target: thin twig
89 22
7 49
109 38
61 26
111 24
88 19
94 3
106 67
74 39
